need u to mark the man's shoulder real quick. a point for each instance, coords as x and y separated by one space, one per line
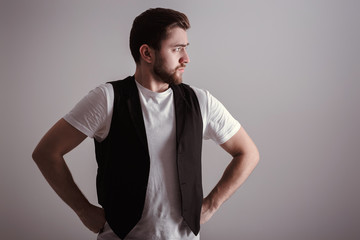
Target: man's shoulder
123 87
201 94
198 91
122 82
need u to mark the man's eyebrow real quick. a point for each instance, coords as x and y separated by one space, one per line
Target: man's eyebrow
181 45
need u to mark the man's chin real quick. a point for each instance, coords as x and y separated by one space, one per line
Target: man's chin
176 80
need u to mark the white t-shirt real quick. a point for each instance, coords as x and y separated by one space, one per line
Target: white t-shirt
161 218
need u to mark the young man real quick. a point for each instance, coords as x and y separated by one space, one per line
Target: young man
148 131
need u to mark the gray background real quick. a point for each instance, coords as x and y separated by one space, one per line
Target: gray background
287 70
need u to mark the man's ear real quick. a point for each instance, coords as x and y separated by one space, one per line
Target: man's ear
147 53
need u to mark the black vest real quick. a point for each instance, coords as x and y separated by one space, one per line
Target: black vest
124 162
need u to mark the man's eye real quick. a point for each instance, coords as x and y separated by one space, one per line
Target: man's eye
178 49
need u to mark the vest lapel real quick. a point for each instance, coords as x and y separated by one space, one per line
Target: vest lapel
179 113
134 107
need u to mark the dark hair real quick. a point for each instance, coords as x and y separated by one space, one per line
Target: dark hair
151 27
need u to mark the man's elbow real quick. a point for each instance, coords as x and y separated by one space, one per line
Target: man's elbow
41 155
251 157
37 155
257 157
254 156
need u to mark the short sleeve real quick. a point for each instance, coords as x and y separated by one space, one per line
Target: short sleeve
218 124
92 114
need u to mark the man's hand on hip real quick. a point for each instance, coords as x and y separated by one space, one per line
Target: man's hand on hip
207 210
93 218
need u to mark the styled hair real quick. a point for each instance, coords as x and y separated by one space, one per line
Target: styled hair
151 27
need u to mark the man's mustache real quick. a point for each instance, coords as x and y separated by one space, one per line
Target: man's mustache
181 66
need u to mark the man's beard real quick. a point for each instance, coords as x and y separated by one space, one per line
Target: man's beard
166 76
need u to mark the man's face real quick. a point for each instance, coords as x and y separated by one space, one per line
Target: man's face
171 59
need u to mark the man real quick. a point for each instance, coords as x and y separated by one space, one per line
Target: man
148 130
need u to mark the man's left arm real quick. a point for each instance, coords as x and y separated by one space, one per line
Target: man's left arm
245 158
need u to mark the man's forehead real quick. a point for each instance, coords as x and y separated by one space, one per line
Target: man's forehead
176 37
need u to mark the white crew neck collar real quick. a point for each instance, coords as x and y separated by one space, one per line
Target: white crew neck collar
147 92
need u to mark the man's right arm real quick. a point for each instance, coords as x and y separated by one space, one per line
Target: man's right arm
48 155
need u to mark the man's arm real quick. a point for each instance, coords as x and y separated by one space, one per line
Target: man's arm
48 155
245 158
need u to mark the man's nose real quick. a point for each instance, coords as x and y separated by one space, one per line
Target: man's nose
184 58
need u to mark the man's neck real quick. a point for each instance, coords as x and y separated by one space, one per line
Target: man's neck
147 80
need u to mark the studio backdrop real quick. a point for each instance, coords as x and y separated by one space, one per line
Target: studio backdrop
288 71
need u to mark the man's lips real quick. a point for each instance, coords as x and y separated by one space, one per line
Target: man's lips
181 68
